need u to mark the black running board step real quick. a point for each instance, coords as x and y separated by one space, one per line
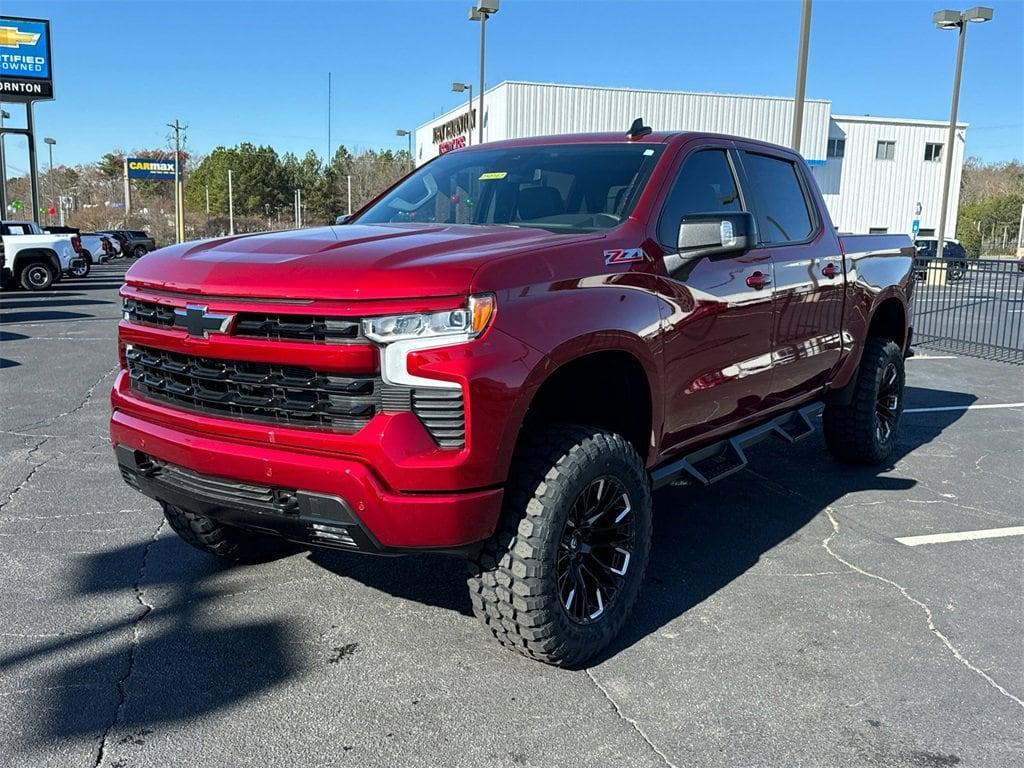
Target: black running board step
714 462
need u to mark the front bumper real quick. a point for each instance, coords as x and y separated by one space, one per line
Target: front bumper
289 494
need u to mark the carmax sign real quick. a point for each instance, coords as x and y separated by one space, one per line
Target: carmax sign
147 168
26 71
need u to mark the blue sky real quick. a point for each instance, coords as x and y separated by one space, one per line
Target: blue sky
257 71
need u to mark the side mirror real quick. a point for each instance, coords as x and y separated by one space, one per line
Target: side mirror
341 219
712 234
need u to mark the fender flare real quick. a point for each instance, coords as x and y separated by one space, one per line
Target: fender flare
570 351
35 255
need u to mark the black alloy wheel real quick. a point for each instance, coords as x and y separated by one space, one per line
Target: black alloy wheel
594 550
887 403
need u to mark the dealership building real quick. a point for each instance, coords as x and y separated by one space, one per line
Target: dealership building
877 174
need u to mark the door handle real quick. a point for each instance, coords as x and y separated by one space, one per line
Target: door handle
758 280
830 271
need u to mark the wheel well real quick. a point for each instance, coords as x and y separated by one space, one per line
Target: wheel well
889 322
603 389
35 256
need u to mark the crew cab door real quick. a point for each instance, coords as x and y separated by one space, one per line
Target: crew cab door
716 309
807 264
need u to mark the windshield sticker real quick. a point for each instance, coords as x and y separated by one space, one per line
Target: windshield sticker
624 255
493 175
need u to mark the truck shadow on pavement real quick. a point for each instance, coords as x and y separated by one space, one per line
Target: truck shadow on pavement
181 660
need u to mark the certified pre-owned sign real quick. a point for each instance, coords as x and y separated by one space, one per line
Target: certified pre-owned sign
26 71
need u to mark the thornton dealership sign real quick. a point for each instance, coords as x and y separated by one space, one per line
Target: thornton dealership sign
452 134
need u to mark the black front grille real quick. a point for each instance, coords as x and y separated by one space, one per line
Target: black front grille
443 414
260 325
297 328
148 313
262 392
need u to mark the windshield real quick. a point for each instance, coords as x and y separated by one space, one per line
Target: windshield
562 188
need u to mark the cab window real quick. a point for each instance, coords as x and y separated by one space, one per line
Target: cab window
705 184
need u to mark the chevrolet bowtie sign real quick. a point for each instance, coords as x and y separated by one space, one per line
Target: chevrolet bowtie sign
26 72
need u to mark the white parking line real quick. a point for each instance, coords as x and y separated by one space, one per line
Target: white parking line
932 357
942 538
963 407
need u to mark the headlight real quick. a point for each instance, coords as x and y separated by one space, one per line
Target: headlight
470 322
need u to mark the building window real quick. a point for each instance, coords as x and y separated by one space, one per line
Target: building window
878 231
886 150
836 147
932 153
926 233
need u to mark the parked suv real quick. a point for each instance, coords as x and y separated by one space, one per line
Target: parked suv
502 356
134 242
953 254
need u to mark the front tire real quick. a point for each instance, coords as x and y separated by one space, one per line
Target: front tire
225 541
865 430
38 276
139 251
560 576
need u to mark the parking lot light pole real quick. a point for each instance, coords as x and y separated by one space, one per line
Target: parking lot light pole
403 132
480 12
959 21
459 88
801 75
49 143
231 204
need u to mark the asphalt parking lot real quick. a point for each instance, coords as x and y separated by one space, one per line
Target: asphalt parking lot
782 623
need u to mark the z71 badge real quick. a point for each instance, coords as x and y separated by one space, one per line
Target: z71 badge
624 255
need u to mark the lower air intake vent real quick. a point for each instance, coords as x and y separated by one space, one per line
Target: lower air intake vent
442 413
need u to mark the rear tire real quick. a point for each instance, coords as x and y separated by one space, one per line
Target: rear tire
865 430
225 541
139 251
37 276
559 578
85 267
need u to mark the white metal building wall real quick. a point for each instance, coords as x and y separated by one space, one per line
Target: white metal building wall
862 192
515 110
536 109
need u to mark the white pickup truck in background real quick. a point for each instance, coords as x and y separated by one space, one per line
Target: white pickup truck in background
36 259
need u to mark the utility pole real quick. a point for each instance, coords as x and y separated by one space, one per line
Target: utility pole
348 183
179 213
127 193
328 118
801 75
231 204
207 200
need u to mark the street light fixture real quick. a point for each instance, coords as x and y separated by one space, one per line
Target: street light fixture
947 19
50 142
481 11
459 88
403 132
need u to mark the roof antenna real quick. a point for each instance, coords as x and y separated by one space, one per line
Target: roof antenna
638 130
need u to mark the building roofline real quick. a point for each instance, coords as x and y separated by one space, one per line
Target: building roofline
661 90
896 120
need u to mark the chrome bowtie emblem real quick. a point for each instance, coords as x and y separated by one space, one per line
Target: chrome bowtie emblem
195 319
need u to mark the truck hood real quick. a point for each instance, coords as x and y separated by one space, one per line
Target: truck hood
351 262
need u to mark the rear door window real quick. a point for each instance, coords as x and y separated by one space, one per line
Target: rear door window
783 210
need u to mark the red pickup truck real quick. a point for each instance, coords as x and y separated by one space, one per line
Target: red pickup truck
502 356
